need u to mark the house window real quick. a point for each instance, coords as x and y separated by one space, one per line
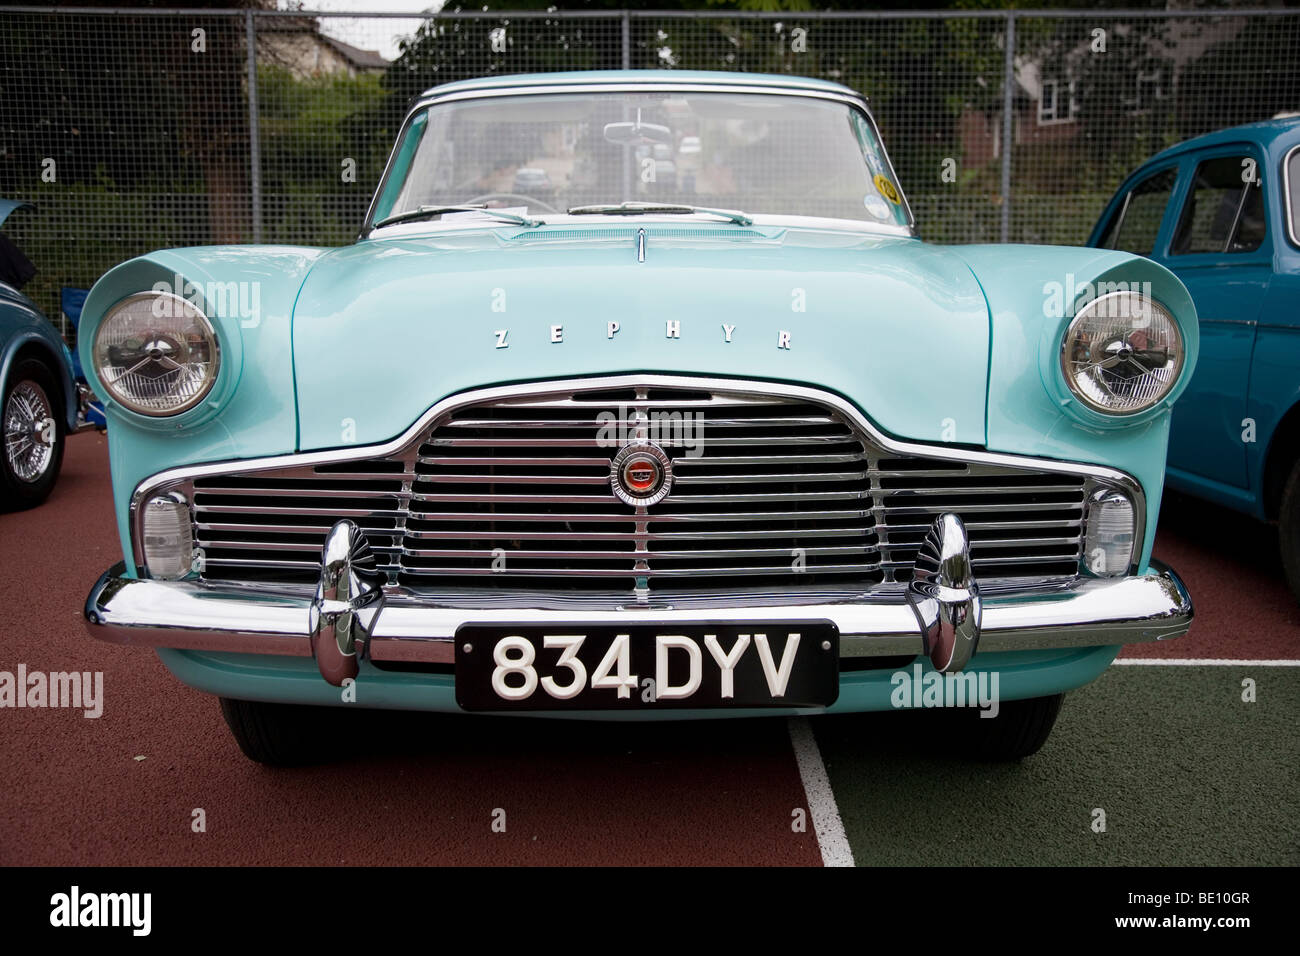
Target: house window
1148 89
1057 103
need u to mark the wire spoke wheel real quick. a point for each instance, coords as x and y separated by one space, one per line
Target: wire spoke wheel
29 430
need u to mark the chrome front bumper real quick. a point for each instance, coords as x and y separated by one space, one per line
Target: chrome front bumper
942 614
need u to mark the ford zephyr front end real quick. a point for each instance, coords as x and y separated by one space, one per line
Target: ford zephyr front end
704 430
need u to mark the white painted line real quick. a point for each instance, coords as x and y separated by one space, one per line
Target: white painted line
1203 662
821 800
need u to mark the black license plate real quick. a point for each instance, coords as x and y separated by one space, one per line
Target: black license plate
647 666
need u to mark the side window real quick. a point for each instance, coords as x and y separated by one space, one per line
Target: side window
1134 226
1224 211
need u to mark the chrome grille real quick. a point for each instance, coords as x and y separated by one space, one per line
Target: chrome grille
768 491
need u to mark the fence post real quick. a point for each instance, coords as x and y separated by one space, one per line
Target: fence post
627 41
254 130
1008 127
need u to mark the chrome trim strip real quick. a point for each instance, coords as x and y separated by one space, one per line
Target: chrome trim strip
192 616
414 435
1292 227
761 85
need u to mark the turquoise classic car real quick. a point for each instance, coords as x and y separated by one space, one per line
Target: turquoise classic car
1222 212
712 435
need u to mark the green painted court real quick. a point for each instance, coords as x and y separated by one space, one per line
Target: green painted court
1186 772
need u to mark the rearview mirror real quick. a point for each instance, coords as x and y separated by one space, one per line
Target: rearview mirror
637 133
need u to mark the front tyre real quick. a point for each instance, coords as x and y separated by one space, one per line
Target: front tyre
1288 529
1019 730
278 735
34 432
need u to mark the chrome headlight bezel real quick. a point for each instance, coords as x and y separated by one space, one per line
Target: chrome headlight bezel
1088 312
187 310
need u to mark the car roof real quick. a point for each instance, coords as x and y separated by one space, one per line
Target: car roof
1280 132
668 78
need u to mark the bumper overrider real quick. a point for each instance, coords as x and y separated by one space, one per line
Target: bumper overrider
941 614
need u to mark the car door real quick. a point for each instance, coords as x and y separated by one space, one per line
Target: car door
1217 242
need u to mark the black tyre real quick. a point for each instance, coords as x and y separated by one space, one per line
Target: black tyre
281 735
1019 730
31 416
1288 530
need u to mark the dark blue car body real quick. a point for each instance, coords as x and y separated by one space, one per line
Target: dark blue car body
1235 434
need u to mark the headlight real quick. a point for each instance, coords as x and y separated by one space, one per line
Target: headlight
1122 353
156 354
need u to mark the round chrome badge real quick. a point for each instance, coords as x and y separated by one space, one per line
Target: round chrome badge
641 474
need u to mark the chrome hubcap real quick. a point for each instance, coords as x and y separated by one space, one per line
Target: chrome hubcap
29 431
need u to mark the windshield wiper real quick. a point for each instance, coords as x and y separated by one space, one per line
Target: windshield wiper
637 208
428 212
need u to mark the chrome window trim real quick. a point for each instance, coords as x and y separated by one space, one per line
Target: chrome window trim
1292 227
431 98
166 480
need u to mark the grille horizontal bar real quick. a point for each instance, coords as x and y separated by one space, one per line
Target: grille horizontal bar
516 493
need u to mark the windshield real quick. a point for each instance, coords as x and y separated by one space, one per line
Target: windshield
547 153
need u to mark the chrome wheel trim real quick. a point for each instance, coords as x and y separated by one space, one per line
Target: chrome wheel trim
29 428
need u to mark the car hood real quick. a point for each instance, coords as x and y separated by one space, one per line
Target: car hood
385 328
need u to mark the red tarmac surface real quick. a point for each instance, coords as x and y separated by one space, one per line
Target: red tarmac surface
76 791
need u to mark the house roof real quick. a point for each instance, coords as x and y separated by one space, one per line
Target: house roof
362 59
306 26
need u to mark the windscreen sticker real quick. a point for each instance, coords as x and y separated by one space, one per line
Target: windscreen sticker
887 189
876 206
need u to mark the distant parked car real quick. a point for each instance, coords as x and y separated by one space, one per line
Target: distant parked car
39 398
533 182
1222 212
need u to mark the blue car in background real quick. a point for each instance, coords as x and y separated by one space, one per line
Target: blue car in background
1222 212
40 401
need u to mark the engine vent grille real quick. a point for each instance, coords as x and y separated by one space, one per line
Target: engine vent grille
767 491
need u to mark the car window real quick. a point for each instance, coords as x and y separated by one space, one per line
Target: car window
760 152
1224 211
1135 225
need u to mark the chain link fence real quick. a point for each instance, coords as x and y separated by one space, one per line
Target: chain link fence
134 130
